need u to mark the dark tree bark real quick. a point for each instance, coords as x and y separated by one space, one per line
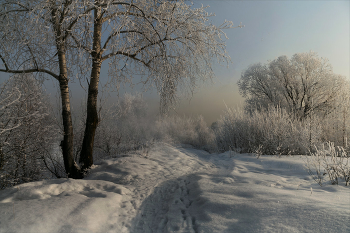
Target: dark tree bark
86 154
71 167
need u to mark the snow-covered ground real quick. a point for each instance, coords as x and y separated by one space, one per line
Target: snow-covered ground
176 189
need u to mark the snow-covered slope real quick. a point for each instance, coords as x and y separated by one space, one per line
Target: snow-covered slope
175 189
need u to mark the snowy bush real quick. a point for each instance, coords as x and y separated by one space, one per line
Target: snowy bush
186 130
336 125
330 161
267 132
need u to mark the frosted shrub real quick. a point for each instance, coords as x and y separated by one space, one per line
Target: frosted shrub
329 162
124 127
192 131
267 132
336 127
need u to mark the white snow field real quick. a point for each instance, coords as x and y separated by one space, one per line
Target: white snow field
177 189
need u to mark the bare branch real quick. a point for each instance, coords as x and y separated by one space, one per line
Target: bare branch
26 71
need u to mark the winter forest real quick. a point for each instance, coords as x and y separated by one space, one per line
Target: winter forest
279 162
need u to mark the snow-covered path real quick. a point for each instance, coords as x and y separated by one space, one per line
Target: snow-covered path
175 189
238 193
153 177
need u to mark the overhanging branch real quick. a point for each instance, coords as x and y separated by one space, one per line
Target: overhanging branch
24 71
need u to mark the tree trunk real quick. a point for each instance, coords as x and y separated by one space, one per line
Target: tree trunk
2 158
86 158
86 154
345 141
71 167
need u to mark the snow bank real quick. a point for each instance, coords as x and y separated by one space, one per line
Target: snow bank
176 189
64 205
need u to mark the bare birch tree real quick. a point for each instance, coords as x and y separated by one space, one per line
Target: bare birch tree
168 43
34 39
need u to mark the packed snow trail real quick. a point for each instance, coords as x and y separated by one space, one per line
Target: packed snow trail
176 189
152 175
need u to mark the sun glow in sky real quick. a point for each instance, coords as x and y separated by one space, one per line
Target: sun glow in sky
272 29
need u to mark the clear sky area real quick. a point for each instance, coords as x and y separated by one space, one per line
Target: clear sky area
272 29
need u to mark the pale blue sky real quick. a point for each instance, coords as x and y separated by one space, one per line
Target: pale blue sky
272 29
